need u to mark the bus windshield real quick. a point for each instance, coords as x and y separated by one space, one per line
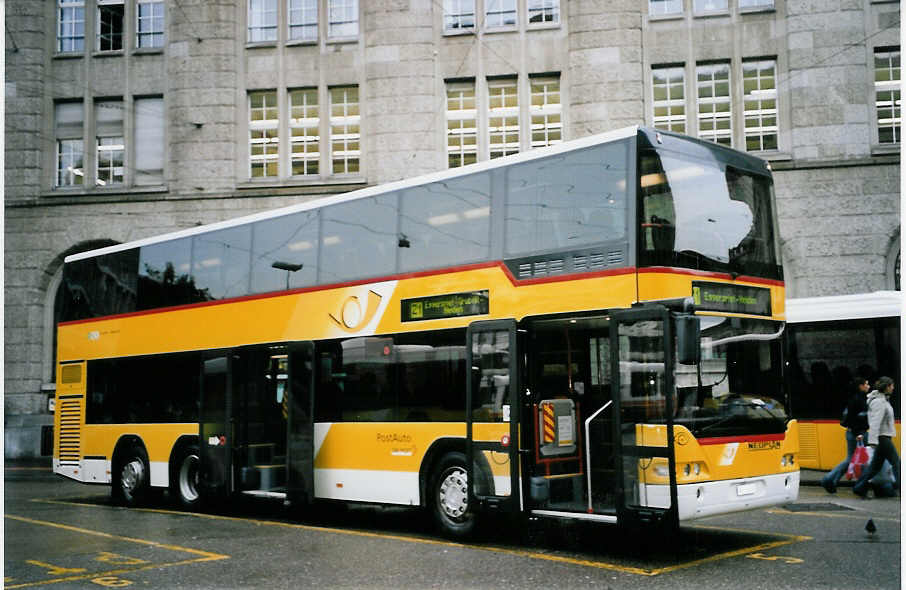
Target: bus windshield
736 386
706 214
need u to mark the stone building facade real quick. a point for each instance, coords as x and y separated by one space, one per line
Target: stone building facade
130 118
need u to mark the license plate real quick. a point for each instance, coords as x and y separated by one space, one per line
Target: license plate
745 489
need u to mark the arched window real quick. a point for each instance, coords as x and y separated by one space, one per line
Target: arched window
893 264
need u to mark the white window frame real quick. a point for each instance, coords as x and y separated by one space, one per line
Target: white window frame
547 10
99 36
496 12
342 19
710 6
67 152
892 86
675 118
709 107
109 145
68 21
657 8
766 90
309 121
345 144
263 18
459 15
503 118
263 132
147 165
462 123
302 20
146 26
545 111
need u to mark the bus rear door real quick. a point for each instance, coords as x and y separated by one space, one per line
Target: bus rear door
492 420
642 365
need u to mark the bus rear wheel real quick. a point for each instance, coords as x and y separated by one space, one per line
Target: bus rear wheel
184 473
131 476
450 497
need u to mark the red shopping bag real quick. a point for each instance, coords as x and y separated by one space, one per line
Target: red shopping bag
861 458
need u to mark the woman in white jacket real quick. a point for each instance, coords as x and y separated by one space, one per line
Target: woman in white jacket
881 430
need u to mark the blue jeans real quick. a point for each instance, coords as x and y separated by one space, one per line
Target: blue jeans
839 471
884 450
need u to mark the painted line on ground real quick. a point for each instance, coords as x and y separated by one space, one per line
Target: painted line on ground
785 540
202 555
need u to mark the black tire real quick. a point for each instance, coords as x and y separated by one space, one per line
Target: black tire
184 475
131 476
449 497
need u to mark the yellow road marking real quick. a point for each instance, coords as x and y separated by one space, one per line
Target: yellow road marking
203 555
787 540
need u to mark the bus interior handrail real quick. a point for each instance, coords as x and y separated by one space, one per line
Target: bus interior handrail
588 448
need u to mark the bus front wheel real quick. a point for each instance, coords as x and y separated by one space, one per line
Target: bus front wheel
184 478
131 476
450 497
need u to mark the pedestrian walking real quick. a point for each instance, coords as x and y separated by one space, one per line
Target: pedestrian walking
881 430
855 420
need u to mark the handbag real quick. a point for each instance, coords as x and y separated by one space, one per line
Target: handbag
860 459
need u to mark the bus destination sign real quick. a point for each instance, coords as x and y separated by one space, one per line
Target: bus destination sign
731 298
438 307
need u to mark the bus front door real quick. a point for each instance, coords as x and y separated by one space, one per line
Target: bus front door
492 421
300 429
216 428
642 363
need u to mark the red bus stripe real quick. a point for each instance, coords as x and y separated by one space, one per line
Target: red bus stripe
720 440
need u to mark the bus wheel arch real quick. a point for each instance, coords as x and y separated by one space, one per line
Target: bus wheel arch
130 471
184 468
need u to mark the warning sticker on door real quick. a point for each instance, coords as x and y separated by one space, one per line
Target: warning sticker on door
565 430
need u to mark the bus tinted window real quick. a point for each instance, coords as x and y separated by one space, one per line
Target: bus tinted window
164 275
825 357
278 245
359 239
569 200
418 377
98 286
446 223
701 213
150 389
220 262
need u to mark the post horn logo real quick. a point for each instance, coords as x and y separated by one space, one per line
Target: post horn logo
351 315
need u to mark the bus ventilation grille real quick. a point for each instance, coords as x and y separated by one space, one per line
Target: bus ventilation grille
569 264
70 428
808 445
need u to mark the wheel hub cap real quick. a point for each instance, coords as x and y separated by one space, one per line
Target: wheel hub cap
454 494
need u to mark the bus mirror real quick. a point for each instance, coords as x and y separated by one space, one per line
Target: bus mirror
688 334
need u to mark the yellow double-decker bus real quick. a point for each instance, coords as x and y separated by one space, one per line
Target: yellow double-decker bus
589 331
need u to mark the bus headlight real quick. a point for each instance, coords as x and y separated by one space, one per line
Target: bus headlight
687 469
698 468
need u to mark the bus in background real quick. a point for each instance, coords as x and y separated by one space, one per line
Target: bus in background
590 331
830 342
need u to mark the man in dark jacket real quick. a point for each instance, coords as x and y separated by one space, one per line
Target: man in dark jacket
856 423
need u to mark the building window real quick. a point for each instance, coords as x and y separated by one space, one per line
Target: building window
344 129
70 26
262 20
303 20
756 4
111 146
543 11
264 142
149 23
503 118
110 25
459 15
304 132
545 112
760 103
887 94
703 6
462 134
68 117
499 13
343 18
669 102
149 141
714 120
664 7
